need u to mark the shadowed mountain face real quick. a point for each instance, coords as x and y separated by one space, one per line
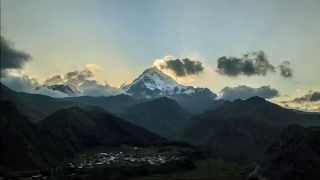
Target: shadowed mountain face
24 146
116 104
38 106
295 154
262 110
66 132
163 116
63 88
243 129
85 128
35 106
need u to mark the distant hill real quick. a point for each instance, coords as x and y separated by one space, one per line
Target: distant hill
26 147
163 116
262 110
295 154
243 129
116 104
91 127
35 106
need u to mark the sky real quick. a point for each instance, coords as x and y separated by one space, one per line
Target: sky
124 37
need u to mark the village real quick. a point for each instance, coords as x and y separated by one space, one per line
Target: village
128 157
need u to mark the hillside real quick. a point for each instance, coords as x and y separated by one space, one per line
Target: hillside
92 127
163 116
248 126
24 146
295 154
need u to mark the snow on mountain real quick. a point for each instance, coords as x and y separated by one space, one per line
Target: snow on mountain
66 89
154 83
85 88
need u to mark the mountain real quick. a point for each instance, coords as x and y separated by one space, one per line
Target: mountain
35 106
115 104
24 146
84 88
295 154
199 102
163 116
262 110
153 83
38 106
248 126
92 127
66 89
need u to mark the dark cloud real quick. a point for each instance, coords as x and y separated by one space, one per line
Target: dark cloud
315 96
308 102
255 63
10 57
70 75
183 67
310 97
285 69
57 79
244 92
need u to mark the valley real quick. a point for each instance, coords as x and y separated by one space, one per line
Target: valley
155 134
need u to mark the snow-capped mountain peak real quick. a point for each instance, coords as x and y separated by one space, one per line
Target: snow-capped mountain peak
154 83
155 79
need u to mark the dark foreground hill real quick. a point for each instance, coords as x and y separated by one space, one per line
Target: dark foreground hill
241 131
90 127
24 146
294 155
163 116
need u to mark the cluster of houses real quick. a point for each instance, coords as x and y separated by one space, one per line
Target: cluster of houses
134 157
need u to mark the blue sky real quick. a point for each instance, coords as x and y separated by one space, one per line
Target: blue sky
124 37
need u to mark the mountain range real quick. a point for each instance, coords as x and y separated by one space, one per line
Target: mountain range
151 84
248 126
28 146
41 131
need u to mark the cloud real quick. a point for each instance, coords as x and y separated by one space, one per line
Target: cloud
93 88
82 83
10 57
180 67
244 92
75 78
312 96
23 83
285 69
307 102
253 63
57 79
74 83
